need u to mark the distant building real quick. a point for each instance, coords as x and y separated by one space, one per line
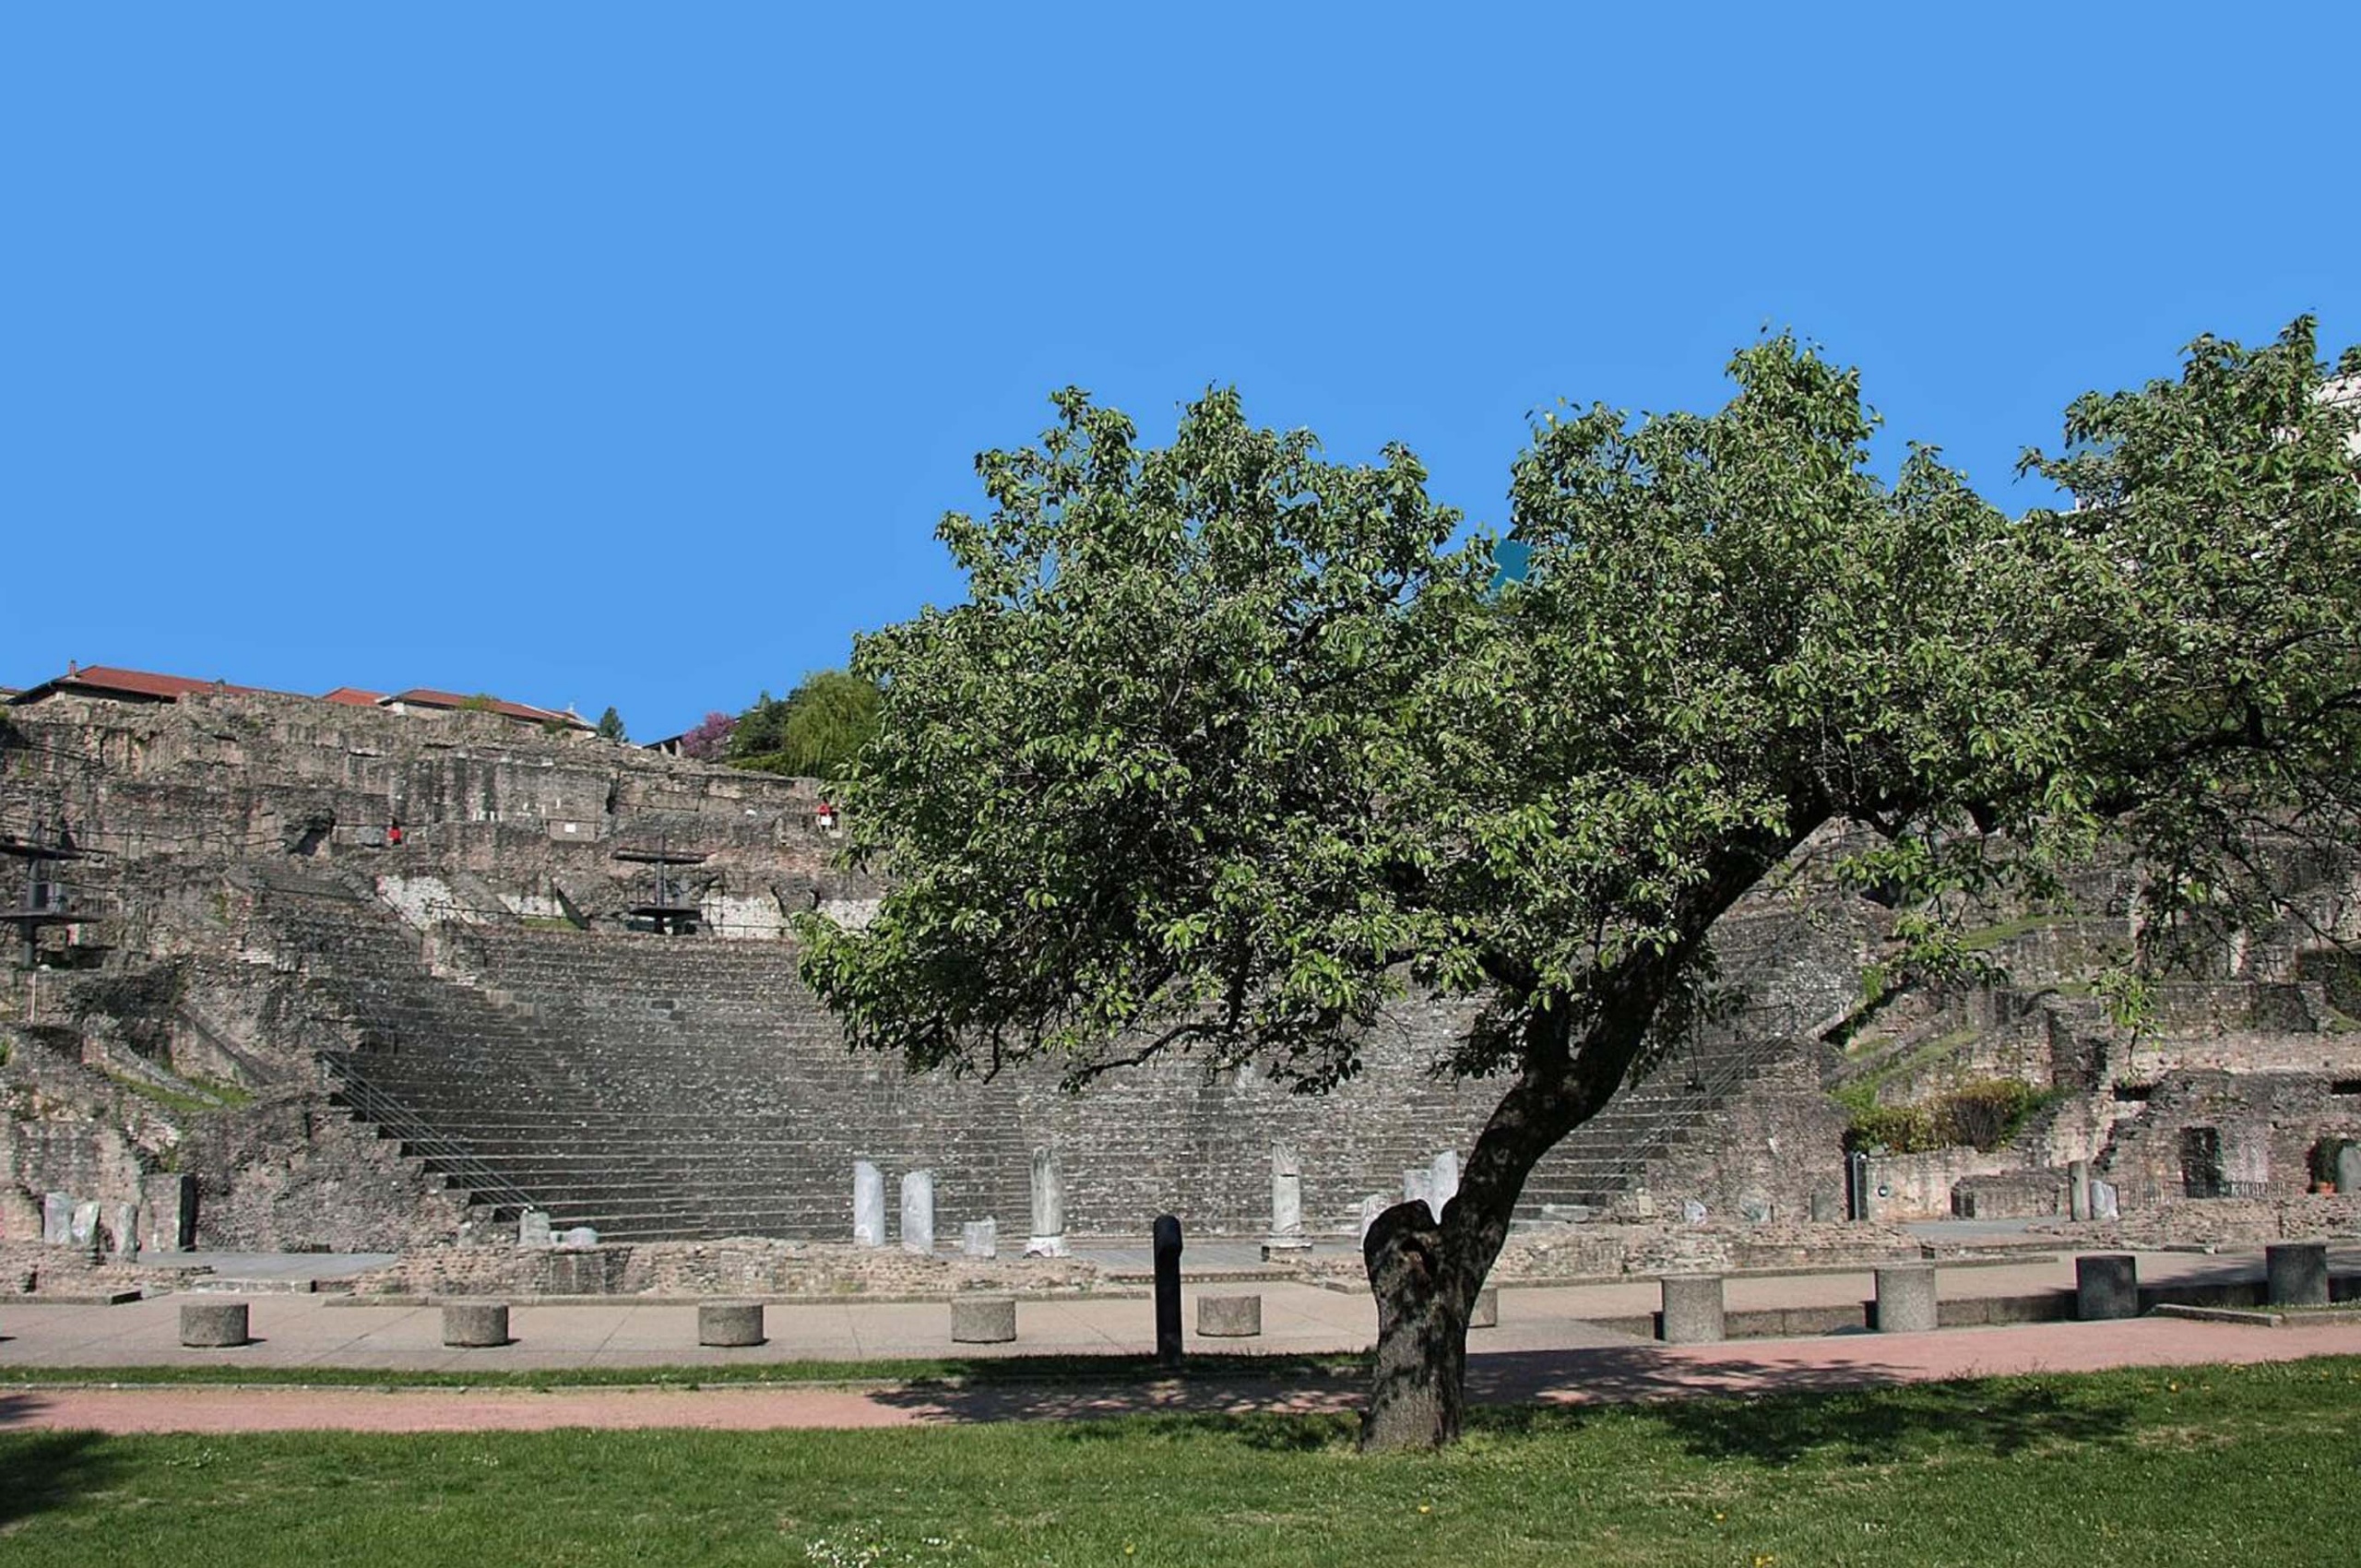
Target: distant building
111 684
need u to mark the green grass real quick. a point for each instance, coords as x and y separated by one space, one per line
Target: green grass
2202 1466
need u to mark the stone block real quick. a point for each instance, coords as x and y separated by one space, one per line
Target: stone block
579 1237
1826 1208
2348 1168
475 1325
1693 1309
730 1322
983 1320
1905 1302
1442 1180
168 1204
979 1239
1486 1313
123 1232
212 1325
2296 1274
85 1230
1371 1206
1229 1317
2105 1203
2106 1286
533 1229
57 1219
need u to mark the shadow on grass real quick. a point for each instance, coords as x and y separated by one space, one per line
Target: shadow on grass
46 1470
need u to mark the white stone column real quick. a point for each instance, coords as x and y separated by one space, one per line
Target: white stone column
868 1205
918 1213
1049 1237
1442 1180
1286 1205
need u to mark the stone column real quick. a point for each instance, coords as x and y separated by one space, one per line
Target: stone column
2296 1274
1286 1206
2106 1286
1693 1309
2348 1169
1442 1180
1049 1237
918 1213
57 1219
1371 1206
868 1205
2078 1189
1906 1299
86 1224
1418 1187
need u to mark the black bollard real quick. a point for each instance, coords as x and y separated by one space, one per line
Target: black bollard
1167 1290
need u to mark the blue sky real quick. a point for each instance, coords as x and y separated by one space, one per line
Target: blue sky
599 354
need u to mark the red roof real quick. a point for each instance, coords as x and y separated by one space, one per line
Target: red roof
108 680
421 697
353 696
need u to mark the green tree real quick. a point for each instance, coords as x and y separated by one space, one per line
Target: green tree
1229 746
815 732
611 725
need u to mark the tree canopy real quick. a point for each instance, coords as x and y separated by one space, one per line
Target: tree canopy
1229 744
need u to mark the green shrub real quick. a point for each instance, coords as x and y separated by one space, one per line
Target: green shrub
1983 1115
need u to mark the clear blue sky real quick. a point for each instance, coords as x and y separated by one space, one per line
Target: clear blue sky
594 354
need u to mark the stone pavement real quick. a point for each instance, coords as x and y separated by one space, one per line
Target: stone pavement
1548 1346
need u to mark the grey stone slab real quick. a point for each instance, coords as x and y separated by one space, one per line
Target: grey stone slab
57 1219
979 1239
533 1229
86 1224
2105 1203
2348 1168
1443 1180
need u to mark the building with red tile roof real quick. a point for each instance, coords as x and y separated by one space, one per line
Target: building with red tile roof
118 685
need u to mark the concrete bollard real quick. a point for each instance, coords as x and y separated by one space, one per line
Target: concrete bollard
1229 1317
730 1322
1906 1299
2106 1286
983 1320
475 1325
1486 1313
213 1326
2296 1274
1692 1309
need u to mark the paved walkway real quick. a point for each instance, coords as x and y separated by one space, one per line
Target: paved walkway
1550 1346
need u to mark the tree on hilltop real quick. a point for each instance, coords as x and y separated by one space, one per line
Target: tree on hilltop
814 732
1231 746
611 725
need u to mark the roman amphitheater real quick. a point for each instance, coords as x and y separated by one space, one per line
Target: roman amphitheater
350 974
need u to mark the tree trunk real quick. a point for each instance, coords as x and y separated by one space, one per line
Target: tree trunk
1419 1393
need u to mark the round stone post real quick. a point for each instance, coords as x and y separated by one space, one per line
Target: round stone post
1906 1299
730 1322
1486 1313
1049 1204
213 1326
2296 1274
1167 1290
475 1325
1692 1309
2107 1285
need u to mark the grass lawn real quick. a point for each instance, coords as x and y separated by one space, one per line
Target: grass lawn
2231 1465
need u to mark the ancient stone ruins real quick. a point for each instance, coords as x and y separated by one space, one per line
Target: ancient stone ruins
294 973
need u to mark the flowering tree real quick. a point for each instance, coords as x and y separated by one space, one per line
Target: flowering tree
709 742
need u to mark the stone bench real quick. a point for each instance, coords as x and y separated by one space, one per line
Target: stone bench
475 1325
213 1326
1229 1317
983 1320
730 1322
